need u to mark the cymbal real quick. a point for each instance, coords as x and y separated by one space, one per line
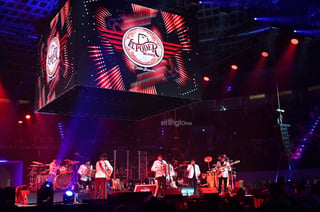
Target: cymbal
37 163
207 159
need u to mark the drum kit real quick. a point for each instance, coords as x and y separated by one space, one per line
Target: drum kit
39 174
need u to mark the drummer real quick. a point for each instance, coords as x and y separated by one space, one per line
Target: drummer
53 169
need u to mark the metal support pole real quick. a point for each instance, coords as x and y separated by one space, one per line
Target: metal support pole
128 152
139 165
114 163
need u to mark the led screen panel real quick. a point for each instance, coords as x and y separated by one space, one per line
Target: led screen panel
57 58
118 46
130 47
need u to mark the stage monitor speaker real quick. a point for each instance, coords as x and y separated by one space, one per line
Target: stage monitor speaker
172 193
83 197
30 198
147 188
209 190
187 191
58 196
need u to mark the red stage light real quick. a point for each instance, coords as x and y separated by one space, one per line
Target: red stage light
206 78
294 41
234 67
28 116
264 54
20 122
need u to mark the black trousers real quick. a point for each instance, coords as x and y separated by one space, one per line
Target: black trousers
193 183
224 180
162 182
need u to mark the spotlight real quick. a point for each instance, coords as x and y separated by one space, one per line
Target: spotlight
28 116
234 67
294 41
45 193
206 78
68 197
264 54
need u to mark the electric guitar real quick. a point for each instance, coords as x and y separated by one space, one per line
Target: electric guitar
222 168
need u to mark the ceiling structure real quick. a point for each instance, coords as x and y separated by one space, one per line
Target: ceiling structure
22 24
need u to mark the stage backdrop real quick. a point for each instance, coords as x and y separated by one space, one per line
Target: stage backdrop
117 59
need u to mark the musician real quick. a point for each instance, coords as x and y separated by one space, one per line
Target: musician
103 172
223 167
203 180
158 167
84 172
193 174
170 175
53 169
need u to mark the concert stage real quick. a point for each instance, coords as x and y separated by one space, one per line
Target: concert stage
131 201
180 199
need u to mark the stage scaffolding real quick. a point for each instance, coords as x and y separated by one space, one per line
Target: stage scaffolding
131 166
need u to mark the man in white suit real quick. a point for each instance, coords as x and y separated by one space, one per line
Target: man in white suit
193 174
159 168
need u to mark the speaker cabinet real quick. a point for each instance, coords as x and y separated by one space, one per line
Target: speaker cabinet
30 197
209 190
58 196
147 188
83 197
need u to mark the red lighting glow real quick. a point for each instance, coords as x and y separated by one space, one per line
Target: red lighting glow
294 41
28 116
234 67
206 78
264 54
20 122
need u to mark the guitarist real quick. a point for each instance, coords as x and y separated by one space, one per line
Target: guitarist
223 167
103 173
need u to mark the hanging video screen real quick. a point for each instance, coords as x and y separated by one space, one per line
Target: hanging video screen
130 47
57 58
119 46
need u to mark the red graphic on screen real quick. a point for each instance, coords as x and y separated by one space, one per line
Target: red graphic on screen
148 72
54 56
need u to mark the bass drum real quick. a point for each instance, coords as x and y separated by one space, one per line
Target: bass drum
62 181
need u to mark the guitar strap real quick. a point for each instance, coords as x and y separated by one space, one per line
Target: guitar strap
103 167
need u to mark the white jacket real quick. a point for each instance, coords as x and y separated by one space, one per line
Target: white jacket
158 168
103 166
192 171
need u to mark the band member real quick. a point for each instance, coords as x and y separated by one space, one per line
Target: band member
223 167
158 167
103 173
53 169
193 174
170 175
85 174
203 180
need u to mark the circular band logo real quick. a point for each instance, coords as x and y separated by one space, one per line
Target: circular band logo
53 55
143 47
